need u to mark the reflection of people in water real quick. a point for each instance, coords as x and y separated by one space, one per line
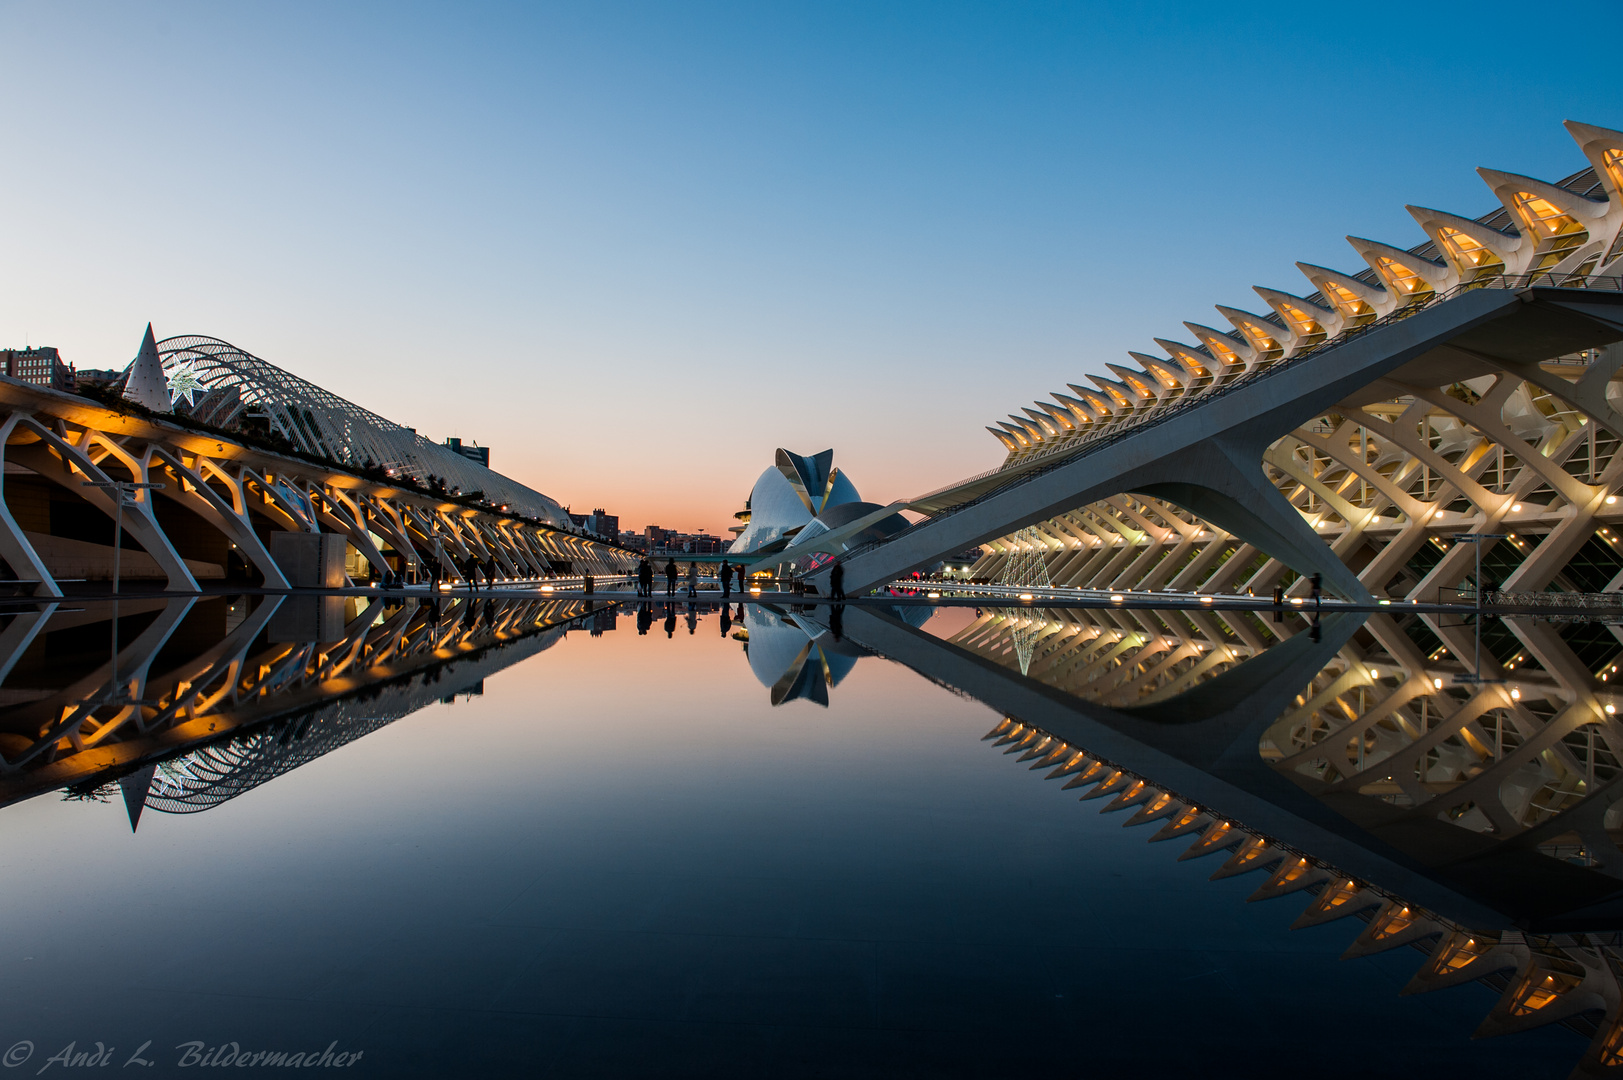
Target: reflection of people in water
645 619
836 622
670 620
726 620
693 618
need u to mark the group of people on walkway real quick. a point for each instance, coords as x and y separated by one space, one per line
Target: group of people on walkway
724 574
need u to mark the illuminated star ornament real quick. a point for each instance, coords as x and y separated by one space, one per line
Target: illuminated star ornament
183 383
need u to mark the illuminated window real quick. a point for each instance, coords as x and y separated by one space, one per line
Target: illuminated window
1403 279
1261 340
1613 161
1306 326
1220 350
1352 306
1474 259
1553 229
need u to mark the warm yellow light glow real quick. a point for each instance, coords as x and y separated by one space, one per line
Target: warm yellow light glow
1610 499
755 588
1542 217
1515 508
1405 280
1437 683
546 588
1347 302
1205 599
1297 600
934 595
1613 160
1515 695
1115 598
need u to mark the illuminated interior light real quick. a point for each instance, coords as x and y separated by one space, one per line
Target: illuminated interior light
1515 508
1116 598
1515 695
1437 684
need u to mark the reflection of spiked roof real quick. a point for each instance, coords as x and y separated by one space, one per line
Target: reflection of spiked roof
238 385
1565 232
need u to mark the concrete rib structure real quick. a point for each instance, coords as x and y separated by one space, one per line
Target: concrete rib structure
260 453
1467 384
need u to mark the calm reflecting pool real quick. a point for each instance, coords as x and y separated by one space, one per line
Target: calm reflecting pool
547 838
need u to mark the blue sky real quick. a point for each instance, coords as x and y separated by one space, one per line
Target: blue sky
635 247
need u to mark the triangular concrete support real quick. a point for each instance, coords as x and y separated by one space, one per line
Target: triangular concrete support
1229 490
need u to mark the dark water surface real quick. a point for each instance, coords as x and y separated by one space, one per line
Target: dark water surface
622 859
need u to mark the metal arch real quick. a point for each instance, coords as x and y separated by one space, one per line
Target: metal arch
317 421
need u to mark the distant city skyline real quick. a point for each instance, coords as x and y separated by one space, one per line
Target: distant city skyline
633 249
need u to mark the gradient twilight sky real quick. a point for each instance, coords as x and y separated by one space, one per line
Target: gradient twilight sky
634 247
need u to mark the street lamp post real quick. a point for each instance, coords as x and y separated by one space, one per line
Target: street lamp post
1475 539
123 491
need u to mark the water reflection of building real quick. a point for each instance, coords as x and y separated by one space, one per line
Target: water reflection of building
206 701
796 659
1470 821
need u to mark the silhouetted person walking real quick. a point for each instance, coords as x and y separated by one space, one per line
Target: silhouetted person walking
645 578
670 579
726 576
836 583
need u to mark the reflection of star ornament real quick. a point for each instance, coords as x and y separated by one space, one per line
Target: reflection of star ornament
183 383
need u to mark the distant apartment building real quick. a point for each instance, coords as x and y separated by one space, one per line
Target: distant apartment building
704 543
42 367
659 539
599 522
656 538
97 376
475 452
634 540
